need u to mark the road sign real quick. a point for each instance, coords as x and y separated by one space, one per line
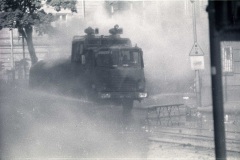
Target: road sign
196 50
196 57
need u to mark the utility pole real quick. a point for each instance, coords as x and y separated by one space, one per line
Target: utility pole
24 59
219 14
12 56
83 9
112 10
11 42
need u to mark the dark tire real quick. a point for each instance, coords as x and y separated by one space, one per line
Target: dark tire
127 105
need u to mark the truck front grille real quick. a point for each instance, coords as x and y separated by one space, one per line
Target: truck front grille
122 84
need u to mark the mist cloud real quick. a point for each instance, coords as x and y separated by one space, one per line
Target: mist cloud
166 41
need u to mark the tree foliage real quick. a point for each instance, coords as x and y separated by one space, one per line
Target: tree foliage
26 14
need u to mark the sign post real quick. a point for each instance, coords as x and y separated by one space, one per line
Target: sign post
197 64
197 58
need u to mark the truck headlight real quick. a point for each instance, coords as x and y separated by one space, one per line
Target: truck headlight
141 85
105 95
142 95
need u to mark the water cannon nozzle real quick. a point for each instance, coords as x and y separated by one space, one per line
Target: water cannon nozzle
116 30
89 31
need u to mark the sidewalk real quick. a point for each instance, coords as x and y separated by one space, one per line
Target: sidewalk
185 142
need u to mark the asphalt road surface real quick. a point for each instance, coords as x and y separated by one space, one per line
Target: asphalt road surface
41 125
44 125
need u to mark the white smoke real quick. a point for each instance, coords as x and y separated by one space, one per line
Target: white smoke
166 39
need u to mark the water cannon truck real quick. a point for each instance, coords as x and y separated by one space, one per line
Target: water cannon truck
106 69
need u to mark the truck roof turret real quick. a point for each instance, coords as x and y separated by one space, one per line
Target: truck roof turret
92 40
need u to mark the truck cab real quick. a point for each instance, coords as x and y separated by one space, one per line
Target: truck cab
110 67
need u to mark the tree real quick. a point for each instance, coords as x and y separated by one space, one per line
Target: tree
28 14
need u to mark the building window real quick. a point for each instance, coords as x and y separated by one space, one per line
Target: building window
227 60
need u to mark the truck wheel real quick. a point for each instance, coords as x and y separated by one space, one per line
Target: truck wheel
127 105
34 82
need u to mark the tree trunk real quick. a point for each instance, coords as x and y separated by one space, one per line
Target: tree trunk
31 49
27 34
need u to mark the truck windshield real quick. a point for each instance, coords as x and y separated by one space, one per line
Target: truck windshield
129 58
103 58
114 58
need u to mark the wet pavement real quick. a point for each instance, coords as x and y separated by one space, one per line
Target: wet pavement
43 125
